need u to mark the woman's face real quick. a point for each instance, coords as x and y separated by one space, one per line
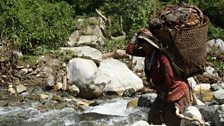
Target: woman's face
146 47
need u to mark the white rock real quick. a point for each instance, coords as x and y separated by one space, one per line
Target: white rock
144 123
43 96
117 76
141 123
191 112
81 71
11 90
202 87
138 63
20 88
86 51
58 86
74 90
211 71
216 43
50 80
192 82
25 70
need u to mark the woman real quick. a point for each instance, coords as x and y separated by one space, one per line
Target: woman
172 90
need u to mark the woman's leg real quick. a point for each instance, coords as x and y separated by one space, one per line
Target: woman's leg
154 116
171 118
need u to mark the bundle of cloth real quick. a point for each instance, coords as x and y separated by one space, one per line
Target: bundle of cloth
177 17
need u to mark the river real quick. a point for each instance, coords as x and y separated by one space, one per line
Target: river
111 112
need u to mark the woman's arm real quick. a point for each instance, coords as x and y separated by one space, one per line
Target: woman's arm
133 50
167 70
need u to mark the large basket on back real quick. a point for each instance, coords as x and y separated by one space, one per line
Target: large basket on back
187 46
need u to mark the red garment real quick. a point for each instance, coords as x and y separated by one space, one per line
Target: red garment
172 90
161 74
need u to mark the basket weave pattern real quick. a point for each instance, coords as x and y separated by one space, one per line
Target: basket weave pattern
188 46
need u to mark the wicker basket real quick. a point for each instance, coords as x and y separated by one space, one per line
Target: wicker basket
187 45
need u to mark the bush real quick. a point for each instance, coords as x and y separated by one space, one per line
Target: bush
135 13
33 23
215 32
214 11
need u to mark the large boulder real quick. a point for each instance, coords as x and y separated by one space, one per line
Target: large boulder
81 72
117 77
85 51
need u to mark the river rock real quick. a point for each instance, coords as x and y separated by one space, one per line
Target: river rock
211 71
57 98
81 72
82 105
97 90
216 86
207 96
192 82
207 111
20 88
58 86
141 123
129 92
144 123
204 92
219 116
86 51
50 81
138 63
132 103
218 44
73 90
201 87
86 40
117 76
43 96
11 90
147 100
219 96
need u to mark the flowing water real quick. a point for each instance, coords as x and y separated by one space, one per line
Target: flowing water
109 113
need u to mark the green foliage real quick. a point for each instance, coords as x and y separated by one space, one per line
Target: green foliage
114 45
218 64
212 8
30 23
85 7
27 59
215 32
36 25
135 13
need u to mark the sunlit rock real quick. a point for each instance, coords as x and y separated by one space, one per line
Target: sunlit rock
43 96
117 77
204 92
217 44
141 123
192 82
85 51
132 103
73 90
58 86
219 96
81 72
219 116
20 88
138 64
11 90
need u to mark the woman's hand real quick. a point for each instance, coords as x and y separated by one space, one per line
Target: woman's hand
145 30
134 38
